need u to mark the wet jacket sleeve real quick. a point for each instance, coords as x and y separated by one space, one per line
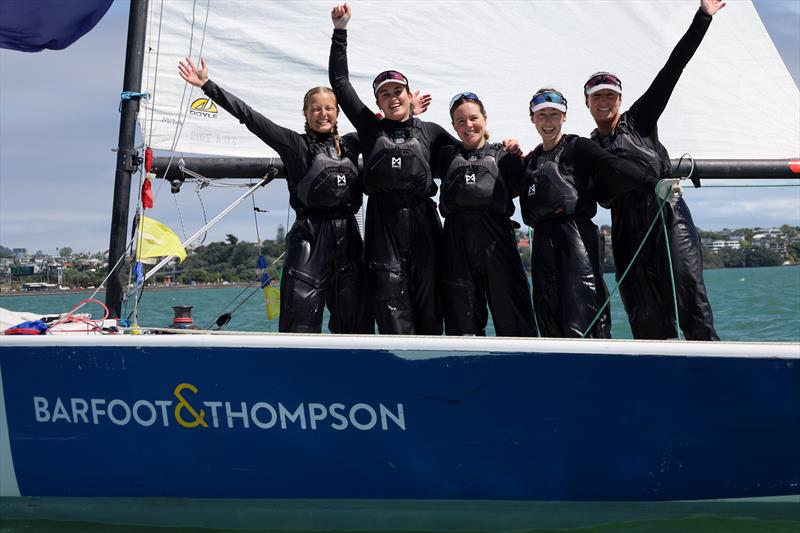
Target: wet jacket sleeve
439 137
284 141
339 75
352 142
649 107
441 161
612 175
512 169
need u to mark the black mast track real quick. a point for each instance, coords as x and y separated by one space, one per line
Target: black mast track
254 168
127 158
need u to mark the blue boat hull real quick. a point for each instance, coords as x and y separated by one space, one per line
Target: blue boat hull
226 421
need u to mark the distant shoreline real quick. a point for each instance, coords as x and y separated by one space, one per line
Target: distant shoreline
51 292
237 285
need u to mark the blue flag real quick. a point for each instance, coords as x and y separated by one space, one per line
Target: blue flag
138 272
34 25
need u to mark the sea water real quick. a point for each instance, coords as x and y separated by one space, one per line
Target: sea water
749 304
756 304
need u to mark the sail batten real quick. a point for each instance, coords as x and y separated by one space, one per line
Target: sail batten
269 56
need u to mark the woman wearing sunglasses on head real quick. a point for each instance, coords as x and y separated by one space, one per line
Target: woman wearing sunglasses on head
324 251
647 290
480 259
402 229
564 178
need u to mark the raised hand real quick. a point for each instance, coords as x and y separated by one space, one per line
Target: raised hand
512 146
340 16
669 189
420 104
191 74
709 7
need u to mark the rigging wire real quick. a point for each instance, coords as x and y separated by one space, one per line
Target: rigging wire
627 269
671 270
180 215
138 224
751 186
286 228
255 219
198 187
224 318
530 251
182 112
116 265
659 215
155 75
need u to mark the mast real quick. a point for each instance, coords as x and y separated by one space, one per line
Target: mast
127 158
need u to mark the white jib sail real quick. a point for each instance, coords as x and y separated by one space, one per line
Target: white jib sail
269 53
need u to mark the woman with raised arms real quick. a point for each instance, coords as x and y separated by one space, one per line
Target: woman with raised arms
647 290
480 258
564 178
324 251
402 230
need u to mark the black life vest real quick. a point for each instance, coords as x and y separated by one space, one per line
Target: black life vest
331 182
474 181
400 161
549 189
646 152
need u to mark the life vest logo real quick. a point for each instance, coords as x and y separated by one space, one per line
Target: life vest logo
397 162
204 107
532 190
341 180
470 179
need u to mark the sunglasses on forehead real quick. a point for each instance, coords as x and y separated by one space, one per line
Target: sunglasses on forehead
388 76
465 96
603 79
548 97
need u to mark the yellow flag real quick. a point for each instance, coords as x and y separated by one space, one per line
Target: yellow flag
272 299
157 240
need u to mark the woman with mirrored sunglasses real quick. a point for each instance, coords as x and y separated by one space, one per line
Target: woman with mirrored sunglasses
402 230
563 178
324 262
480 260
647 289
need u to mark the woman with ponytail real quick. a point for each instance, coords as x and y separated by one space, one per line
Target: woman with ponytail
324 252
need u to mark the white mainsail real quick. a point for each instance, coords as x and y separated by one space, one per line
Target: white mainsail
270 52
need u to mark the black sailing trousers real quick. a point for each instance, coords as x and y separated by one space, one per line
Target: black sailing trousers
402 238
567 275
647 290
324 265
480 265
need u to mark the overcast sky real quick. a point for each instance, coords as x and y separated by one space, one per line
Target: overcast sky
59 123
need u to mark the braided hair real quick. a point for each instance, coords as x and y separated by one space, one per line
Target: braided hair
310 132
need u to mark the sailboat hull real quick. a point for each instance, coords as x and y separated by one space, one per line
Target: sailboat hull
313 417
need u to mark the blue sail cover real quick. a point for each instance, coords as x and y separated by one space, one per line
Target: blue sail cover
32 26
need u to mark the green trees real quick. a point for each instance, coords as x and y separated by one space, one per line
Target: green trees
748 256
232 260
